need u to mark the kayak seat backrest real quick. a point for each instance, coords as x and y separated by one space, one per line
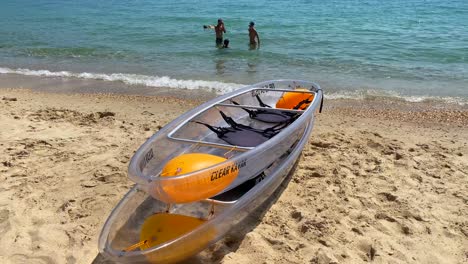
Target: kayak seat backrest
237 137
268 116
245 136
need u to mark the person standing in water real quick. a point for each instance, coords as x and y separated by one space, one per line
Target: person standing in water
219 30
253 35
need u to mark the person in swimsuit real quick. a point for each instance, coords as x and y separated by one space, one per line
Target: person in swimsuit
219 30
253 35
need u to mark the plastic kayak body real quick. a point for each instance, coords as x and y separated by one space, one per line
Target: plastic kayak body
154 201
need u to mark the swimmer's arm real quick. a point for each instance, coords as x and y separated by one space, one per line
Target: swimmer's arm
209 26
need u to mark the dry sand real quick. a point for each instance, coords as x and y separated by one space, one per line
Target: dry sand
381 183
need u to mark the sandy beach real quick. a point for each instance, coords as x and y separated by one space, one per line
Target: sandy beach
380 182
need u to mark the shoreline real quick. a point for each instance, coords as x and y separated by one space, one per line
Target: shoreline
381 177
62 85
133 84
433 112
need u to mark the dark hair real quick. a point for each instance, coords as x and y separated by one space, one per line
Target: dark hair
226 43
251 24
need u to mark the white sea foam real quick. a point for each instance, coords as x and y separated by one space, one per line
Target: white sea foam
132 79
369 94
218 87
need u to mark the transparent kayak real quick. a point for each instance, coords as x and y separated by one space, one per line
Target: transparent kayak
173 213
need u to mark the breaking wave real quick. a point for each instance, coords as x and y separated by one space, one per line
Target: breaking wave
132 79
219 87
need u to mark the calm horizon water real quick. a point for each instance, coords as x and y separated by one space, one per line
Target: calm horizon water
410 49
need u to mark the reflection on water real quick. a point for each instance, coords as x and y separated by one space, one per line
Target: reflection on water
251 67
220 67
253 46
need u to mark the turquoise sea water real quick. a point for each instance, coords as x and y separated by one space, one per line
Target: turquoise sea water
409 48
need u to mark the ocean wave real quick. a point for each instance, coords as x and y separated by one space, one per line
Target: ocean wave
132 79
222 87
379 94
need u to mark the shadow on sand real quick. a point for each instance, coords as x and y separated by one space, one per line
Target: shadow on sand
233 239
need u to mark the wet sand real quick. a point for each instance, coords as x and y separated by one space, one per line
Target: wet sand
379 181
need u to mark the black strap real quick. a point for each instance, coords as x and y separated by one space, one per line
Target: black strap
252 113
234 126
272 131
238 126
231 121
321 104
305 101
261 102
220 131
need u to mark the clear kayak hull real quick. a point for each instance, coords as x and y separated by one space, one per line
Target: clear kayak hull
186 134
260 171
123 226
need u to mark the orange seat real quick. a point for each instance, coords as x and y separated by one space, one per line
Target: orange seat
197 186
163 227
293 100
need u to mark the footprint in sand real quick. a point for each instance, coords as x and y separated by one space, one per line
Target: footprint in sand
297 215
9 99
110 174
114 177
89 204
4 221
374 145
321 144
82 209
388 196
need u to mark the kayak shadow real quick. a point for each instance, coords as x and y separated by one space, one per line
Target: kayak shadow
100 259
233 239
